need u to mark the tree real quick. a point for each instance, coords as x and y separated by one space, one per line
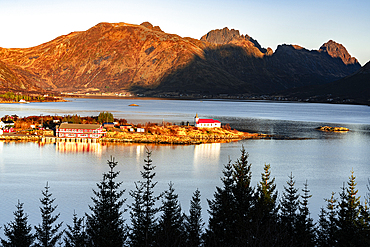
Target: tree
18 231
221 223
105 117
47 233
327 225
244 198
265 221
348 213
76 234
193 222
143 210
170 230
305 228
105 225
289 209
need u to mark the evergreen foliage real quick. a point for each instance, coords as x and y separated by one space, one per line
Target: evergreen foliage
170 230
105 225
18 232
349 214
221 224
75 235
327 225
105 117
305 228
194 222
289 209
239 215
47 233
266 228
143 209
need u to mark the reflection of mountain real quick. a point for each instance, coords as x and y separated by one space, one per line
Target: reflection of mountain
207 153
77 147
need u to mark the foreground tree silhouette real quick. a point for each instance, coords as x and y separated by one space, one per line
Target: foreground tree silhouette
105 225
143 210
221 223
266 226
76 234
349 221
305 227
194 222
170 226
47 233
289 210
18 231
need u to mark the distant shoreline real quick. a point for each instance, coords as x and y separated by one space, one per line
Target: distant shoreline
205 99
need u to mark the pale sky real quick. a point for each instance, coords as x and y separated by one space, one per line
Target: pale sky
308 23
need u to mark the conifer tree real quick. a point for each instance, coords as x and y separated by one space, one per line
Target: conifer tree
289 208
194 222
221 223
143 210
18 232
75 235
47 233
265 221
170 230
105 225
327 225
365 216
348 214
305 227
267 195
244 199
322 226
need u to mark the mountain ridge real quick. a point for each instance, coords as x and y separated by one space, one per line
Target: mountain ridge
122 57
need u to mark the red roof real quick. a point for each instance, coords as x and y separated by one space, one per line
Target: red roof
208 121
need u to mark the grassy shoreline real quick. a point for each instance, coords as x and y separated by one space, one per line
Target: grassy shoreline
156 135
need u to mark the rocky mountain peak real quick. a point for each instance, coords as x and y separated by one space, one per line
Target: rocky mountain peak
230 36
337 50
150 26
221 36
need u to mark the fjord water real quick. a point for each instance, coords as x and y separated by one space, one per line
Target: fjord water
72 170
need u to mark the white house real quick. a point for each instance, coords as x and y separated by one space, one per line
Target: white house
206 123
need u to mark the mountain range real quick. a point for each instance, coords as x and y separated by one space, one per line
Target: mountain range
121 57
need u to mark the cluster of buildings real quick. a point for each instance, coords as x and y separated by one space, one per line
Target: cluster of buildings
94 131
6 126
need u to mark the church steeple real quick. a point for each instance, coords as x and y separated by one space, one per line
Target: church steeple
196 119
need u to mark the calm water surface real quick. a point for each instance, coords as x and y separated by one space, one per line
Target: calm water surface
72 171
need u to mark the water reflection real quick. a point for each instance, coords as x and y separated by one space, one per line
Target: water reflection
76 147
208 153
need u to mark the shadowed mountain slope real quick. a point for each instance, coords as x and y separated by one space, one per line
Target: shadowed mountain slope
142 58
354 88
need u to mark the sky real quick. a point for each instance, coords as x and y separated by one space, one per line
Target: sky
308 23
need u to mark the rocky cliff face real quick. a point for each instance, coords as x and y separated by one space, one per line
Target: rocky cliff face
119 57
336 50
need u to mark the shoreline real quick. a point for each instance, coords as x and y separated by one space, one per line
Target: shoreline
208 99
142 139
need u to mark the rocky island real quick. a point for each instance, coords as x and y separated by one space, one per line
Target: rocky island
333 129
94 129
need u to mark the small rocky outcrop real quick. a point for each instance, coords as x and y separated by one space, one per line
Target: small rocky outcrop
333 129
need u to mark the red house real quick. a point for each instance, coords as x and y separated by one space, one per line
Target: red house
66 130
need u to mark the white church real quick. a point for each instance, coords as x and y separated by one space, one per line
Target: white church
206 123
